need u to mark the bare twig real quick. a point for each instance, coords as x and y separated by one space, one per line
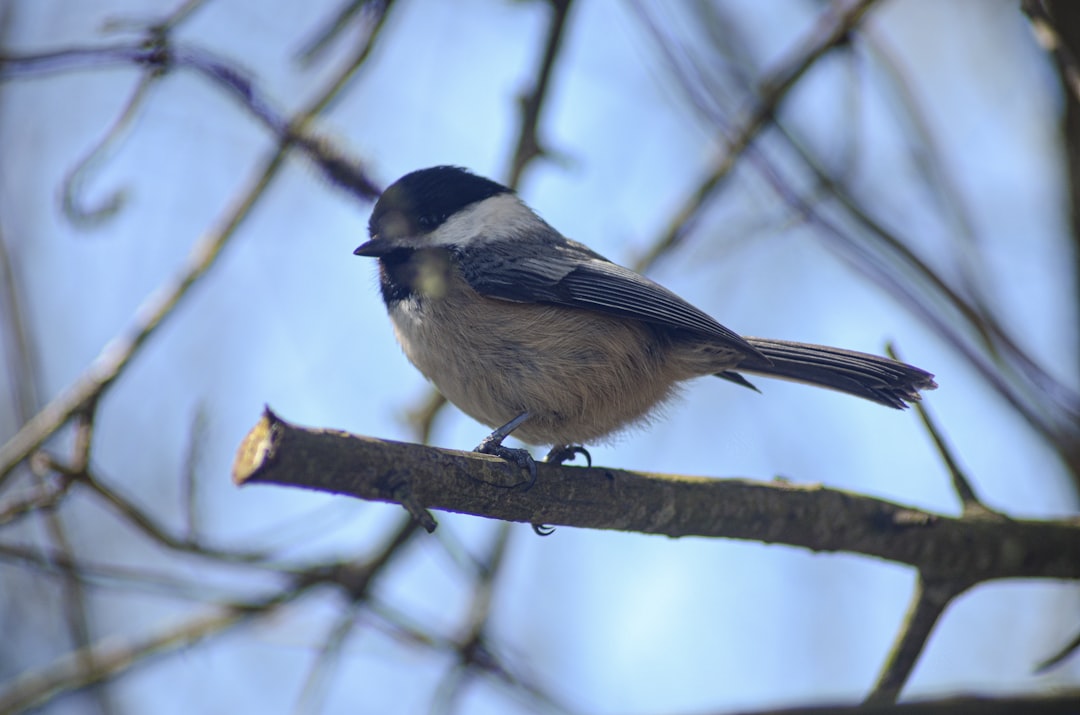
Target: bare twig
830 31
529 144
332 28
72 200
969 500
356 581
319 674
117 354
1060 656
472 648
112 360
110 656
141 519
44 495
20 357
189 472
1047 404
928 603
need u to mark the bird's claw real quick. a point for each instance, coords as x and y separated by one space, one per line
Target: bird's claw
520 457
567 453
557 455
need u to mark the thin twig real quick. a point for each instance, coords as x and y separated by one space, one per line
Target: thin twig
830 31
329 30
44 495
110 656
1059 657
356 580
141 519
1051 408
118 353
141 579
476 654
969 500
529 145
20 355
189 472
928 603
72 201
313 693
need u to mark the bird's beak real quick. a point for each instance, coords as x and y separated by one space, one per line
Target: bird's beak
375 248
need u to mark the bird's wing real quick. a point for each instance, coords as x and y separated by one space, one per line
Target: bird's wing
570 274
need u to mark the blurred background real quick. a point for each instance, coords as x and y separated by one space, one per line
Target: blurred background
911 186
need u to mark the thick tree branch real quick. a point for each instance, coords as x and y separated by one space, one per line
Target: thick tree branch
942 548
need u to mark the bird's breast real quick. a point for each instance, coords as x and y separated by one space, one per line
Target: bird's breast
581 374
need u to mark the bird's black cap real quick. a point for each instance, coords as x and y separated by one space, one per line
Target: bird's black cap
422 200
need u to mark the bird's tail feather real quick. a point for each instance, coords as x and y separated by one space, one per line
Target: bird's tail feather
887 382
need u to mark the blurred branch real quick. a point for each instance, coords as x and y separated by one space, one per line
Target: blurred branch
132 579
813 517
1060 656
529 145
956 313
969 500
1057 32
313 693
141 520
118 353
71 193
831 30
370 11
190 470
356 580
110 656
160 56
928 603
107 658
1049 406
1057 25
472 647
44 495
1057 704
20 357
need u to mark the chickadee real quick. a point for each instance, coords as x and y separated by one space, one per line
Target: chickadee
529 332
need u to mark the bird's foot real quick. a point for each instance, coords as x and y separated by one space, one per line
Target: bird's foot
561 453
492 444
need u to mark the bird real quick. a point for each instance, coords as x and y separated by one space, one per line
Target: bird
536 335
